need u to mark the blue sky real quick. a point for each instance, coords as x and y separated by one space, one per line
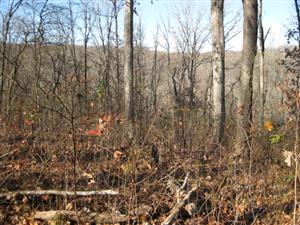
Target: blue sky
277 15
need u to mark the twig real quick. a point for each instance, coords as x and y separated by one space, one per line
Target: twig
174 170
182 187
8 153
185 182
150 127
178 207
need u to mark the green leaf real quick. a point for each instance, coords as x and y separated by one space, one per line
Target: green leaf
275 139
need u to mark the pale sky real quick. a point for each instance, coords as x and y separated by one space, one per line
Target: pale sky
277 15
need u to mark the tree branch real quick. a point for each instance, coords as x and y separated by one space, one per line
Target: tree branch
58 192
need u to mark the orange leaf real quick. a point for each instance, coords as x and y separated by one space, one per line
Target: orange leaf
28 122
93 133
269 125
45 197
106 118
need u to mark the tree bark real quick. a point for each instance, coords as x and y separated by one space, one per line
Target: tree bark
155 74
128 67
86 37
118 94
298 19
218 50
261 39
13 7
58 192
244 116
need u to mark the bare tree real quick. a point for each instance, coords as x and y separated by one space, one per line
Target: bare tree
218 49
86 31
166 45
155 73
103 41
261 39
245 101
298 19
116 9
140 96
293 97
12 8
128 66
39 20
191 35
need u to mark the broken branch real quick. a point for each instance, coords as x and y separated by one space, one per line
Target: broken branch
58 192
178 207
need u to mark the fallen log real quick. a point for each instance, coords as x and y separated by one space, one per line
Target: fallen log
112 218
109 218
55 215
102 218
174 212
99 218
58 192
141 210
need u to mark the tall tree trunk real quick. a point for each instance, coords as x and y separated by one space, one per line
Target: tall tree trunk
244 119
298 20
155 75
3 65
87 17
85 73
13 7
118 93
128 67
218 49
261 39
298 28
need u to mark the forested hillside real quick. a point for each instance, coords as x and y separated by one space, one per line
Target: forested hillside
99 127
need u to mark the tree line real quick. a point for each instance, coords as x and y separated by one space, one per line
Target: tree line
75 58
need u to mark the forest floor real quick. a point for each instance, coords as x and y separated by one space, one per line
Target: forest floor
260 193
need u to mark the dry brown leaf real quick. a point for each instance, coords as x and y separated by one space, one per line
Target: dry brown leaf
69 206
118 155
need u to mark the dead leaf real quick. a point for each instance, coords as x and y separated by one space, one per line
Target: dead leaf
45 197
25 200
269 125
106 118
88 175
288 157
118 155
69 206
241 110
